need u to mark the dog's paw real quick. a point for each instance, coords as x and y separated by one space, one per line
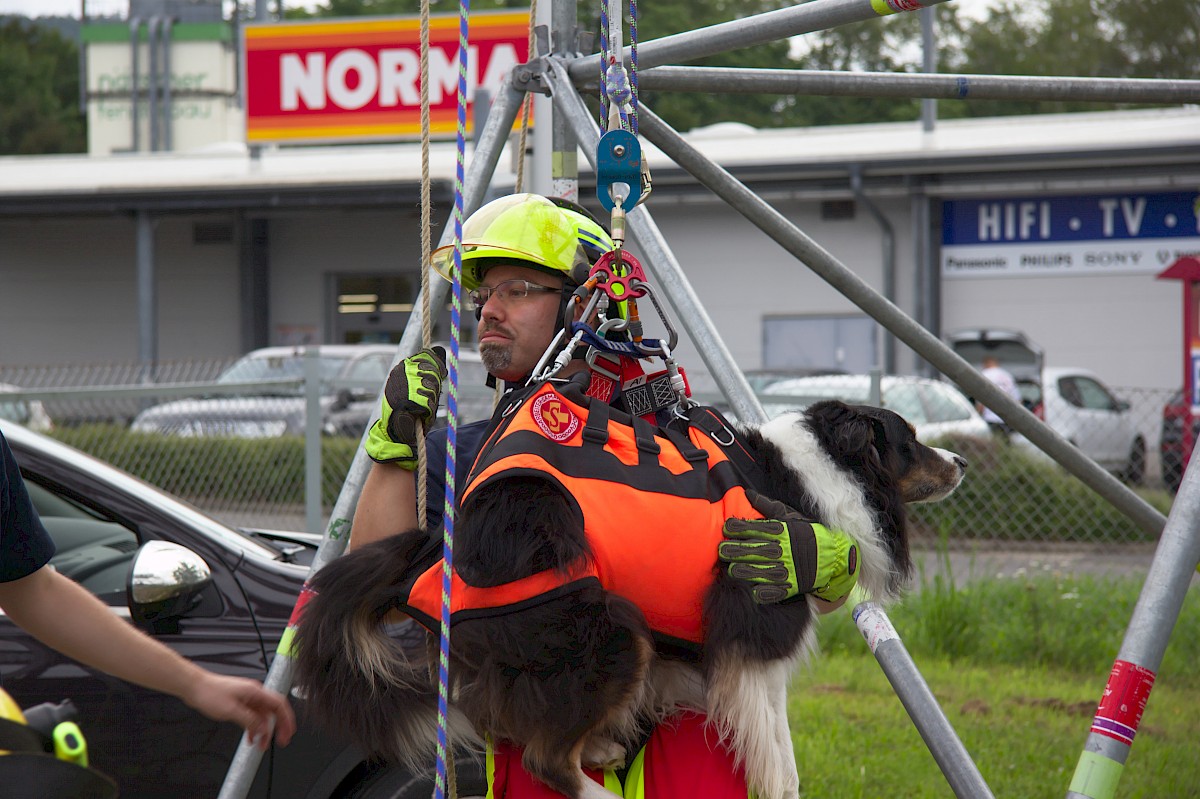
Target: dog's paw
601 753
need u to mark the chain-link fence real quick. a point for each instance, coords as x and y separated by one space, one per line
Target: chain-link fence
239 451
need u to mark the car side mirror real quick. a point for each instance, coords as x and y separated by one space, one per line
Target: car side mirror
165 582
342 399
1123 405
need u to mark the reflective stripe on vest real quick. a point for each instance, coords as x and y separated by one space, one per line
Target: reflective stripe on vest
673 491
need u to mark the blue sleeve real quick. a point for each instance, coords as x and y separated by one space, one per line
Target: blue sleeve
470 439
25 546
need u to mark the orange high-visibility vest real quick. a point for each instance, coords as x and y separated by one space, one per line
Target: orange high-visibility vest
653 502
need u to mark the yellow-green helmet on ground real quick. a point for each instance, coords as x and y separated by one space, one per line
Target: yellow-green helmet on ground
544 234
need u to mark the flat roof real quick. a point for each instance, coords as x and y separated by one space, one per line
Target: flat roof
231 174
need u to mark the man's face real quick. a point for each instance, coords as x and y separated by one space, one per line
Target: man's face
513 334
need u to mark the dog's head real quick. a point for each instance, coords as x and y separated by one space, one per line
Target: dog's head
888 443
832 441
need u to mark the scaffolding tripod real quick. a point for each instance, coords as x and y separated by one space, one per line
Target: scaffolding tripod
559 72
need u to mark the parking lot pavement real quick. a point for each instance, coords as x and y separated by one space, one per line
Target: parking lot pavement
1028 560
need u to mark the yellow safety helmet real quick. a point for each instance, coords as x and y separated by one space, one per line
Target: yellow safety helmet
9 709
546 234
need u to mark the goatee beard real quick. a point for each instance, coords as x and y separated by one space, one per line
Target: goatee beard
495 357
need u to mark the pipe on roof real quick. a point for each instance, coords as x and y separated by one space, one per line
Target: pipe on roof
167 121
135 23
152 81
889 260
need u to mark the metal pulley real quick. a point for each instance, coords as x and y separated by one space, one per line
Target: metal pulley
619 170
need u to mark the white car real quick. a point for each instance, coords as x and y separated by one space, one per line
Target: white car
934 408
1078 406
30 413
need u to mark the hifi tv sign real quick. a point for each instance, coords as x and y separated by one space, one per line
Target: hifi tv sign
359 79
1101 234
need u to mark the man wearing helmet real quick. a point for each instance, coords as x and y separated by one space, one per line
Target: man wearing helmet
522 257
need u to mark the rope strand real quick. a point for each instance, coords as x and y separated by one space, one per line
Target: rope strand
445 755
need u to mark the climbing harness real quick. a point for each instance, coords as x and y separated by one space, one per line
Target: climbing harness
610 326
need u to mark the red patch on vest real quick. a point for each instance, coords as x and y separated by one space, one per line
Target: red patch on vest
554 417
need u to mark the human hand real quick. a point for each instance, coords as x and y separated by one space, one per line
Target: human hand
783 555
410 400
246 703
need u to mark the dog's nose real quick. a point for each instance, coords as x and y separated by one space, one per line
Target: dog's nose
961 461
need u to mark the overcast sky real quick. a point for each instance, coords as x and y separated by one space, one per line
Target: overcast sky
105 7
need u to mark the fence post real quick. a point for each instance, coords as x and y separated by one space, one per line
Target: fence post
313 516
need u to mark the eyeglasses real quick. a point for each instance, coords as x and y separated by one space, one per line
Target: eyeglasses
507 291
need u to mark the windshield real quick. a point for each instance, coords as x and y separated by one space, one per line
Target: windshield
280 367
789 395
15 410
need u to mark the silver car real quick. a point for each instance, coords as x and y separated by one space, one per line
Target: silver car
351 376
934 408
270 412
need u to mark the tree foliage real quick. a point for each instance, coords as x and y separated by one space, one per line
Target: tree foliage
39 72
39 91
1072 38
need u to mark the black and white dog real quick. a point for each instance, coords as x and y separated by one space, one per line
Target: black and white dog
577 676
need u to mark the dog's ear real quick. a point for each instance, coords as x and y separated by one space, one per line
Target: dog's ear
852 431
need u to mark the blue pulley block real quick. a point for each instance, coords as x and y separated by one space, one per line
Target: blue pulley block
619 160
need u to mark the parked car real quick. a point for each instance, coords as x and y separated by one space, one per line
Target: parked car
114 531
1078 406
351 377
1174 456
279 412
352 412
30 413
1015 352
935 408
1074 402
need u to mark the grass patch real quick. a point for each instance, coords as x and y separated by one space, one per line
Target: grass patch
1018 667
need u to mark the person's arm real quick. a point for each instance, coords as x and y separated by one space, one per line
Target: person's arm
65 616
387 505
388 502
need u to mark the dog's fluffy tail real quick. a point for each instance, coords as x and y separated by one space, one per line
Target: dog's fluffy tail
362 679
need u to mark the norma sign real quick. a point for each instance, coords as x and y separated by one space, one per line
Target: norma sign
1056 236
359 79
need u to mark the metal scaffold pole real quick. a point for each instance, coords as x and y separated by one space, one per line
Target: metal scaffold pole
1132 677
571 124
746 32
279 678
956 764
943 87
854 288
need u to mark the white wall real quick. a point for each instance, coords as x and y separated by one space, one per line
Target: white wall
742 276
1126 328
68 292
306 249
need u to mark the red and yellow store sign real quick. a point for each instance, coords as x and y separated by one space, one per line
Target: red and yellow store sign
359 79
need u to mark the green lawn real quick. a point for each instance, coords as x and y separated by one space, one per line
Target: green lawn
1021 715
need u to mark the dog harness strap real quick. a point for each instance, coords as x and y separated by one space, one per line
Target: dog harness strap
595 431
643 435
468 601
687 449
718 429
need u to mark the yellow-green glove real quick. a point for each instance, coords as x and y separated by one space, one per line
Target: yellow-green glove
410 401
783 555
